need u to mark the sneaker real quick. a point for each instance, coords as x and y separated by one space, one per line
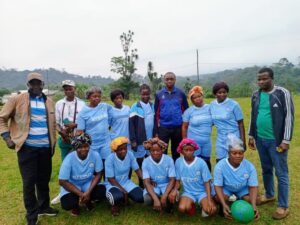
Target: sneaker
204 214
280 213
263 200
232 198
192 210
32 222
115 210
48 212
56 200
90 206
75 212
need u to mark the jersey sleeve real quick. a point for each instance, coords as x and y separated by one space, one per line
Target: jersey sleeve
177 169
238 113
65 169
80 121
186 116
109 167
99 163
218 176
171 172
145 171
205 172
133 162
252 182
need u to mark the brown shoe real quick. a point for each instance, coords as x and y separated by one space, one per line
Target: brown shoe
280 213
115 210
263 200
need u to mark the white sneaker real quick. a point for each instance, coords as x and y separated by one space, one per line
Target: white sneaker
232 198
204 214
56 200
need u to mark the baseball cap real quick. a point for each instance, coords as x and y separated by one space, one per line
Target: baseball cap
68 82
36 76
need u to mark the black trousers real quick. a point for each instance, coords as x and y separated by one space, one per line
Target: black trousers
35 166
71 201
115 196
165 134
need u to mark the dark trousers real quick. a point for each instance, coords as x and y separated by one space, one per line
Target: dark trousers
35 166
115 196
71 201
165 134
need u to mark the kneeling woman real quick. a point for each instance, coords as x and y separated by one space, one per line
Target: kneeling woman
195 177
235 175
117 167
158 174
79 176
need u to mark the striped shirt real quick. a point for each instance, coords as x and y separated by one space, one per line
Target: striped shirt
38 129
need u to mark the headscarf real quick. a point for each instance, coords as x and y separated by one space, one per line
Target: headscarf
77 141
185 142
234 143
196 90
150 142
117 142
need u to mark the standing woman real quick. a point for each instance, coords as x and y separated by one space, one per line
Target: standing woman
93 120
197 124
119 115
141 122
228 117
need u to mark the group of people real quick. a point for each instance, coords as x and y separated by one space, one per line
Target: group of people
101 144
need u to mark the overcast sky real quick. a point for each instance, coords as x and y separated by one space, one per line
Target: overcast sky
82 36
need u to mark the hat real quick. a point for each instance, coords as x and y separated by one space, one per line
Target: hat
196 90
117 142
80 140
68 83
34 76
152 141
186 142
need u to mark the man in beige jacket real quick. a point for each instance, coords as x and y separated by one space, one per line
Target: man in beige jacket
27 124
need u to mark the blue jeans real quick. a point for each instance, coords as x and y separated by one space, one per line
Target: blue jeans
270 159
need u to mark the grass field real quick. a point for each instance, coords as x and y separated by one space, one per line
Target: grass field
12 209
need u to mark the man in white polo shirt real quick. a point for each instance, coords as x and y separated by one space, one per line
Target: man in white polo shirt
66 112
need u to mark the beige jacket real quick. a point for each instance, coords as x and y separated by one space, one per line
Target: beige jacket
15 118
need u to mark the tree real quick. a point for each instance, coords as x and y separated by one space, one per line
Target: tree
125 65
187 85
155 81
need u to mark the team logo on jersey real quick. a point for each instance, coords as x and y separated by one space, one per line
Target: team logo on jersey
246 175
198 172
91 165
275 105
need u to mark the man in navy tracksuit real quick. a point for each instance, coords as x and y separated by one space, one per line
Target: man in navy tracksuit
271 129
170 103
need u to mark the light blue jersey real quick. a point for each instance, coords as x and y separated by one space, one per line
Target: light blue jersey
94 121
199 129
225 117
193 176
235 180
80 172
159 172
119 169
119 122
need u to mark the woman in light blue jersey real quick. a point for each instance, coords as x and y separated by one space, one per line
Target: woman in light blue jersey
93 120
195 177
79 176
228 118
197 124
118 184
235 177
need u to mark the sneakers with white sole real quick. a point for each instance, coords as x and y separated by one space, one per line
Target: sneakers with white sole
56 200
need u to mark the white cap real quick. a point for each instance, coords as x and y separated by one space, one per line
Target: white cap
68 83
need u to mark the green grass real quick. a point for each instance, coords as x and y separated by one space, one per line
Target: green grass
12 209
